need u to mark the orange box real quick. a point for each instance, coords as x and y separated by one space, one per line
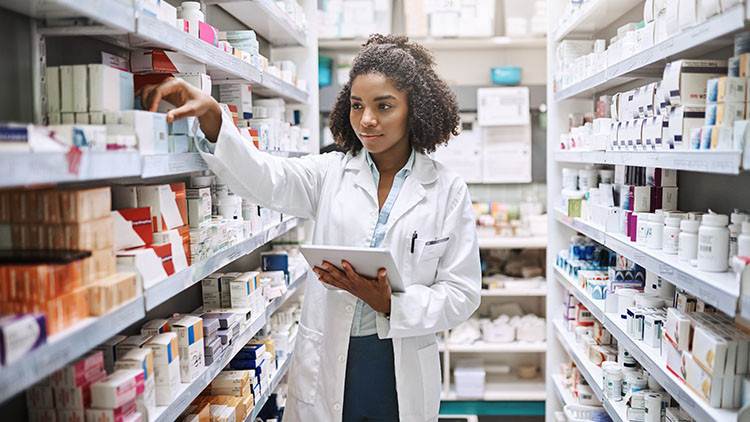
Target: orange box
90 235
111 292
25 207
5 206
80 205
49 202
101 264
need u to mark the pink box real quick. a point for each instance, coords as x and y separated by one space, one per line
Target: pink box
112 415
76 398
208 33
80 372
117 389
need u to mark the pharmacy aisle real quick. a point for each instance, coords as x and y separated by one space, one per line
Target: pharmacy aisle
649 231
134 284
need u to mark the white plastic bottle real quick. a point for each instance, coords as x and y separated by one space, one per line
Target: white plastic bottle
190 10
671 235
713 243
688 249
655 231
743 241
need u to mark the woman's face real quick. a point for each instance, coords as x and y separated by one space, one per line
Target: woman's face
379 113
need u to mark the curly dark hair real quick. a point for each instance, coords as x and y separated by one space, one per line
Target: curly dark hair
433 109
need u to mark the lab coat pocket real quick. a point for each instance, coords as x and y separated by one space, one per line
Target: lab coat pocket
429 365
305 365
425 260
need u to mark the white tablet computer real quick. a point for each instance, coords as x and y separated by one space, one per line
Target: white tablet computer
365 261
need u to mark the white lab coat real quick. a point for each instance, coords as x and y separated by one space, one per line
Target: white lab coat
339 193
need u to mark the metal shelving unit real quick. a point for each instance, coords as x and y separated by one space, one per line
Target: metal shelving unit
722 290
715 33
110 13
593 16
151 32
542 291
651 360
188 392
66 347
267 19
178 282
719 162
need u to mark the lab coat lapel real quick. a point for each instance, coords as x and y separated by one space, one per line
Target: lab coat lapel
413 191
364 178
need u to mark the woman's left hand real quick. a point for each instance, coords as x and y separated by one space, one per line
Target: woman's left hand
376 293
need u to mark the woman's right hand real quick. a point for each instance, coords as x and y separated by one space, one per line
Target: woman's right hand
189 100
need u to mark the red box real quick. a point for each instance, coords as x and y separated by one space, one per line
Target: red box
133 228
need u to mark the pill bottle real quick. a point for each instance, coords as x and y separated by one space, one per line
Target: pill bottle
606 176
743 240
713 243
671 236
587 179
190 10
655 231
613 384
688 244
606 365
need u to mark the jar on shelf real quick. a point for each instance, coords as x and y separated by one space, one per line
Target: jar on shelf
654 236
713 243
190 11
671 235
688 243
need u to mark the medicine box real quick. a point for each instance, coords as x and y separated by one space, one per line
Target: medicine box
161 61
168 204
132 342
155 327
685 80
142 359
189 330
150 130
112 415
275 261
677 329
199 206
241 288
112 291
681 120
226 299
109 351
53 89
110 89
66 89
731 89
701 382
20 335
79 372
117 389
80 89
166 367
240 96
211 288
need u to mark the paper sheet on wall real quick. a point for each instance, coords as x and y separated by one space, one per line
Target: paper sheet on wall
506 154
503 106
463 154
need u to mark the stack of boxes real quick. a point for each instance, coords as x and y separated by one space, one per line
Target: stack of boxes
142 359
189 330
115 397
162 248
166 367
66 394
67 286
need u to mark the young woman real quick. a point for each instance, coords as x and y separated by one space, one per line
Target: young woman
364 353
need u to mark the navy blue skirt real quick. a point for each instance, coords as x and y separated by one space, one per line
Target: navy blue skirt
370 388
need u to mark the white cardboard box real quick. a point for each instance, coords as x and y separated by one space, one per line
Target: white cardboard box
189 330
166 367
110 89
80 89
685 80
150 130
53 89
